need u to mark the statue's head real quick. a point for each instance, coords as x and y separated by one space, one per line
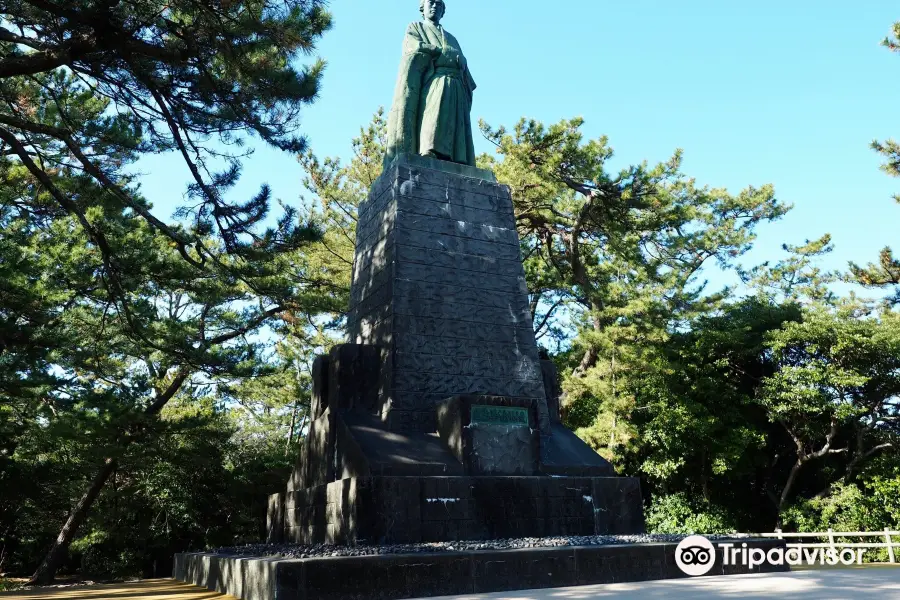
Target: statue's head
432 10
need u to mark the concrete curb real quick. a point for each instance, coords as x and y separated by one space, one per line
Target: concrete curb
397 576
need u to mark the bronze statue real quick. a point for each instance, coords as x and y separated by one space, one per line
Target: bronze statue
431 112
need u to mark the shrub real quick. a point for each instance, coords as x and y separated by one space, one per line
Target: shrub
675 513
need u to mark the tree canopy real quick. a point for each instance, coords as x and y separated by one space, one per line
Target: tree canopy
109 312
886 271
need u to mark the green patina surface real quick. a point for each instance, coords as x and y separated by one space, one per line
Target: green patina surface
431 111
503 415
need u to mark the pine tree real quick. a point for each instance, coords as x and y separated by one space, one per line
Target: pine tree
885 272
106 309
617 254
835 389
797 278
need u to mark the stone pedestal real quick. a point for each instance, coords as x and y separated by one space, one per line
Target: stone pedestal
438 283
440 420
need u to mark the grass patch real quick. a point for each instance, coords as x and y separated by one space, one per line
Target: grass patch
10 585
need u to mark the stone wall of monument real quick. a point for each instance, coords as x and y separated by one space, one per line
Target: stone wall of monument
394 510
438 280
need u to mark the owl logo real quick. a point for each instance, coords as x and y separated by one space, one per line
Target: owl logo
695 556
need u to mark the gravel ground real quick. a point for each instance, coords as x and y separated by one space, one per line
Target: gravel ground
324 550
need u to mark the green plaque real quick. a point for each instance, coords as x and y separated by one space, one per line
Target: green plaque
499 415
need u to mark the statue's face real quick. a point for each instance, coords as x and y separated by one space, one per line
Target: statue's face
433 10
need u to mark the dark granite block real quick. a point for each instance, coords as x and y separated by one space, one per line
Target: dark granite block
527 569
509 283
290 577
318 450
406 401
418 307
367 299
374 333
386 577
521 368
456 197
372 251
564 453
371 281
319 397
382 191
275 519
373 259
420 205
296 481
350 459
615 564
474 332
461 229
378 227
411 177
354 371
617 505
452 385
389 510
411 420
453 243
444 346
445 508
468 294
551 387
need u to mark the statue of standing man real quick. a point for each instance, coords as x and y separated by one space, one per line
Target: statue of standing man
431 112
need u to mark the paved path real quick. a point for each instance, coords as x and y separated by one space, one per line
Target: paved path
869 583
158 589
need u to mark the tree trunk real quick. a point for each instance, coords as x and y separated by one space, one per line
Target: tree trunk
591 355
47 571
290 439
612 432
704 475
786 491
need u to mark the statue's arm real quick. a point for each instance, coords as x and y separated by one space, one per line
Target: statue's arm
467 76
403 119
413 43
417 58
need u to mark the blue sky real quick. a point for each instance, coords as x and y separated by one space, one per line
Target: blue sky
788 93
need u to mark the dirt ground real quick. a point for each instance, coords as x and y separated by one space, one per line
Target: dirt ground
158 589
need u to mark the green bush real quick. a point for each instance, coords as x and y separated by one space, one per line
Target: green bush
7 585
850 507
675 513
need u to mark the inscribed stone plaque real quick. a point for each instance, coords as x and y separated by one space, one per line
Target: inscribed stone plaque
499 415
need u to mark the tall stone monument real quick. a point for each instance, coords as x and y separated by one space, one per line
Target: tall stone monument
439 420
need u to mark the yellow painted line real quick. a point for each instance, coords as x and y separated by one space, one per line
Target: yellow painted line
157 589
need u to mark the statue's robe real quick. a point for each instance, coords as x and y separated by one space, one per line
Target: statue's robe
432 107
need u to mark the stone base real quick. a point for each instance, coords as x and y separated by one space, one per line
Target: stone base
404 510
440 420
396 576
